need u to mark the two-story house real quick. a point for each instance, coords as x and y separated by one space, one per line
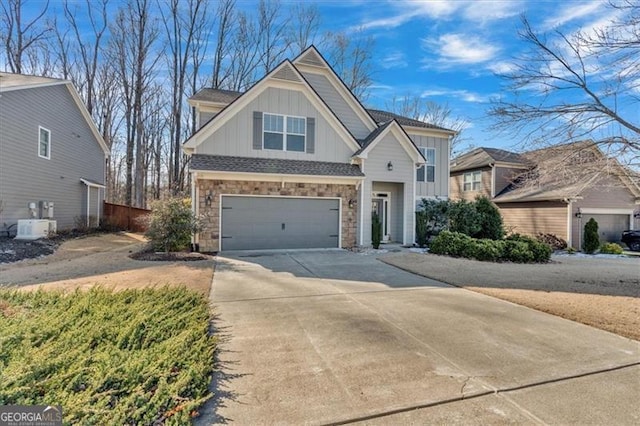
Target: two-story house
553 190
297 161
52 156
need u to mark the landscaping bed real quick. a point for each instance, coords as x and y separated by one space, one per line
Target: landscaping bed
130 357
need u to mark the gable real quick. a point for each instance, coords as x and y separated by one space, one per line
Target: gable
334 92
286 77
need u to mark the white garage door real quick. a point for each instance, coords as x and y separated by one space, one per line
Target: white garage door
610 226
256 223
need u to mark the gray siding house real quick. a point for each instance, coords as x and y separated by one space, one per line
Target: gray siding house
553 190
50 151
296 161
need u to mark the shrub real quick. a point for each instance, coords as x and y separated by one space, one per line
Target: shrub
171 224
486 250
556 243
517 251
376 230
611 248
591 240
490 220
541 252
464 218
450 243
431 218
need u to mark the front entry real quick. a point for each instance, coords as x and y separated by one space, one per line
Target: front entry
380 205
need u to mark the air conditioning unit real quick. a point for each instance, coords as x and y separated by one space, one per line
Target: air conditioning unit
32 229
53 227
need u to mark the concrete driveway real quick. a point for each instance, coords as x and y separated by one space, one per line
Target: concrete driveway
337 337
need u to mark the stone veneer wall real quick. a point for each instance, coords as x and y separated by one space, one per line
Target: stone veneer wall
209 236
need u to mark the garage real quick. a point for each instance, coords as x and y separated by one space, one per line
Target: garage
257 222
610 226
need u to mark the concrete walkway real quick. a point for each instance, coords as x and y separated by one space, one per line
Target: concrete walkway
336 337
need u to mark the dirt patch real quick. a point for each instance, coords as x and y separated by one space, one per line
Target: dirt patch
600 292
104 260
152 256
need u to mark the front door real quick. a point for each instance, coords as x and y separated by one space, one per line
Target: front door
380 205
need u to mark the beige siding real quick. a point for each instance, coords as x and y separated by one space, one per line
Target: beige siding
375 169
504 177
535 217
235 136
606 194
205 117
338 105
457 186
439 188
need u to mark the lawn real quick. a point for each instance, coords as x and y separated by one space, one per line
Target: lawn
129 357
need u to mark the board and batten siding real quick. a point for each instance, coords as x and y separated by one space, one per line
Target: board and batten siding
457 191
338 105
403 173
609 193
546 217
439 188
235 137
75 154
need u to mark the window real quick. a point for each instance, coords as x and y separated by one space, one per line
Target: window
284 133
44 143
427 173
472 181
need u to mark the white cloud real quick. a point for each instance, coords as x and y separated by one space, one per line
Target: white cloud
461 94
456 49
571 12
501 67
394 60
482 11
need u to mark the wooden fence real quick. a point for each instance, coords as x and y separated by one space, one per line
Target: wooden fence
125 217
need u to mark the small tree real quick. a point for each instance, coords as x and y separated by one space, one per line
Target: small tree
432 218
464 218
490 220
591 241
376 230
171 224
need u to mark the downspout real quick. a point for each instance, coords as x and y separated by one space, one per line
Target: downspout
493 180
569 202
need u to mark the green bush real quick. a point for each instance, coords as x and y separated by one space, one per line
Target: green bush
540 251
515 248
591 240
131 357
611 248
376 230
464 218
490 220
432 218
171 224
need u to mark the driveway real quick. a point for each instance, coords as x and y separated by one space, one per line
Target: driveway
335 337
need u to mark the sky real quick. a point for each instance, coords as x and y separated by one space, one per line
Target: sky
450 51
446 51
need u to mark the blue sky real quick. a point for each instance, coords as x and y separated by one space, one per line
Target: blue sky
449 51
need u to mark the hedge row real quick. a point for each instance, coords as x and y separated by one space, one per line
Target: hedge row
515 248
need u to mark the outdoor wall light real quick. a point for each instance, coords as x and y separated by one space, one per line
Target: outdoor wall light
579 214
390 166
352 203
636 214
208 199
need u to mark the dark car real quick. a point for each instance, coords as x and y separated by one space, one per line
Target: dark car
631 239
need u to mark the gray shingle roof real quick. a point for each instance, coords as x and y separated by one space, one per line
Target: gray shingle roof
372 136
209 94
383 116
483 157
223 163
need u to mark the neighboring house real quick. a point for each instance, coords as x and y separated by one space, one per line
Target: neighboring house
296 161
554 190
51 153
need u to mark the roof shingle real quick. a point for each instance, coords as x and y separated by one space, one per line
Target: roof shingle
223 163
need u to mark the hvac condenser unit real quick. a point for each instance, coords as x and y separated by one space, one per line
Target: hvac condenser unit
32 229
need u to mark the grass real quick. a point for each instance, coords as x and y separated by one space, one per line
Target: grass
130 357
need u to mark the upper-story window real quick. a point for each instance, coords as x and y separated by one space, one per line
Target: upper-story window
284 132
427 173
472 181
44 143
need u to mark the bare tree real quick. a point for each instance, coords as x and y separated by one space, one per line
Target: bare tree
304 26
577 86
185 23
225 14
433 113
351 56
20 36
272 34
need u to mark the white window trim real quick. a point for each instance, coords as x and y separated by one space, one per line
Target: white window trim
48 156
423 150
285 132
471 181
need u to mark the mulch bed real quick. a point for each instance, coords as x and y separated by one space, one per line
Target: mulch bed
12 250
180 256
